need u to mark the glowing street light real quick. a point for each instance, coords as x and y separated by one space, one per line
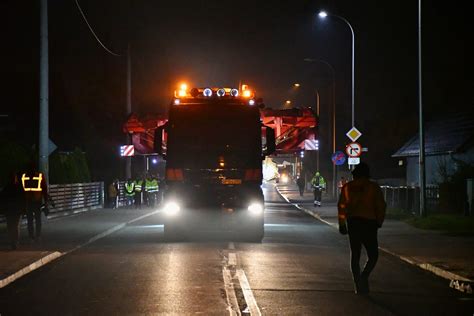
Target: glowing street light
323 15
297 85
288 102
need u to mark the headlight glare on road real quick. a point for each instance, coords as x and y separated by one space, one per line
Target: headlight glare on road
255 208
171 208
284 178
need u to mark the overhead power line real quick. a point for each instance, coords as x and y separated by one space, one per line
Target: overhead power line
92 31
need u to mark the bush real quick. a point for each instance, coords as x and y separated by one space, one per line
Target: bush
69 167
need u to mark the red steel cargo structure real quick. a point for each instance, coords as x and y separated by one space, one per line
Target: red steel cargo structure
291 126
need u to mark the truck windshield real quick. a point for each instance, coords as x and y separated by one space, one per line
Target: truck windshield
203 137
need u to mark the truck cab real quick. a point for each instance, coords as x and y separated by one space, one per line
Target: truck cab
213 156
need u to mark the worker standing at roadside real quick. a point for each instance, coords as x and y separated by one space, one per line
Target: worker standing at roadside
129 191
138 192
35 193
12 208
361 210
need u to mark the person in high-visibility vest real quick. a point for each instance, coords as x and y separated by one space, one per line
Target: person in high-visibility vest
151 189
361 212
129 191
138 192
35 192
319 185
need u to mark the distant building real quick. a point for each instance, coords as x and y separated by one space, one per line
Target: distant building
448 142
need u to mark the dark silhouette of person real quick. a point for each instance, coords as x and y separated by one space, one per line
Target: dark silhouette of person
35 192
11 196
362 207
300 183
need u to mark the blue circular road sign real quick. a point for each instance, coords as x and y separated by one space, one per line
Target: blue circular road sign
338 158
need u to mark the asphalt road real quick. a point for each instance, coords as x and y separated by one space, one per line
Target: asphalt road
300 268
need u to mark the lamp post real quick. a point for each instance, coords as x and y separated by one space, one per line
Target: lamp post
421 157
333 75
323 15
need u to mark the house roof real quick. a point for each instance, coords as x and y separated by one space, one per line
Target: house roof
447 135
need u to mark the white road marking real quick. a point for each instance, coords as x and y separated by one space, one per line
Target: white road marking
232 304
35 265
248 295
52 256
232 259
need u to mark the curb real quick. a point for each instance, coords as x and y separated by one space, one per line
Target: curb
457 282
55 255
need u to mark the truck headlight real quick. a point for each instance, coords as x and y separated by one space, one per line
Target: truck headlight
255 208
171 208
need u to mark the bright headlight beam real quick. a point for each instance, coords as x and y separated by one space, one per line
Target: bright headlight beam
171 208
255 208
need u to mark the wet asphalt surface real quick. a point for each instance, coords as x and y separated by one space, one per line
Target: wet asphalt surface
300 268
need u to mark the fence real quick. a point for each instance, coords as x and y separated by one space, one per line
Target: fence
77 196
74 197
408 198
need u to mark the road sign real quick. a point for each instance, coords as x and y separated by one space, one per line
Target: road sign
51 147
127 151
338 158
311 144
353 134
353 161
353 150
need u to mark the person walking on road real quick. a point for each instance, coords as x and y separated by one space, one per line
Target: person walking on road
361 212
11 196
36 200
319 185
300 183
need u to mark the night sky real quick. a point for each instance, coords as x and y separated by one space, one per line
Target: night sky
219 43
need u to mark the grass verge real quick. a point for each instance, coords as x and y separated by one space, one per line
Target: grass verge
451 224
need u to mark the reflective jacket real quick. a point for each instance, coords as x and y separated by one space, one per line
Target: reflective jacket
362 198
151 186
318 182
129 188
34 187
138 186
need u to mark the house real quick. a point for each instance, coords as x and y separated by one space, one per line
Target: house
448 143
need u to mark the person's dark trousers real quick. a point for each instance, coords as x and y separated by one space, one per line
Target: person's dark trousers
301 190
317 196
33 215
362 232
138 200
13 227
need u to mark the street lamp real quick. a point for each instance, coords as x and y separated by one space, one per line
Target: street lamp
323 15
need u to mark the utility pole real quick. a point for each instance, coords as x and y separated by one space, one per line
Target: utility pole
421 133
128 160
43 162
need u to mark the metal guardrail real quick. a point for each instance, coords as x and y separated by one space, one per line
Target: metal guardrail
408 198
76 196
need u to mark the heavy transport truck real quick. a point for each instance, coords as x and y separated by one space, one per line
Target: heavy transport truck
212 144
